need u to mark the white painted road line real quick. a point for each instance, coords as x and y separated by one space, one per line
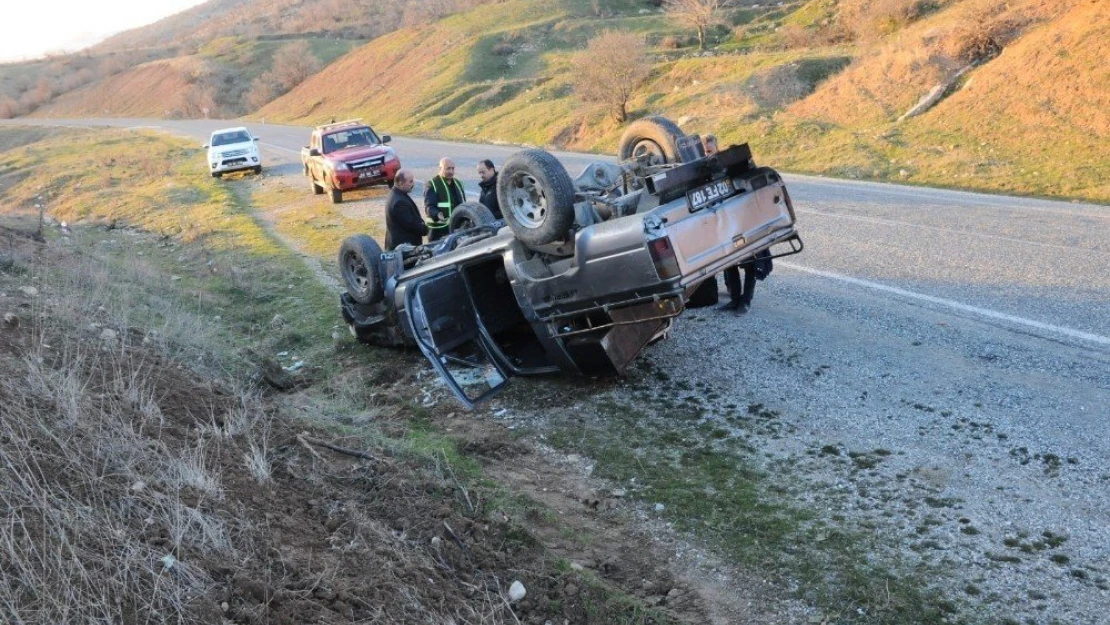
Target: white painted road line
278 147
975 310
906 224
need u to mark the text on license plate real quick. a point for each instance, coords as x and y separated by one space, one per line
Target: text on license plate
370 173
707 194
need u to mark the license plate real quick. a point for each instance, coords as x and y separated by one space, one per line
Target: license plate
371 173
710 193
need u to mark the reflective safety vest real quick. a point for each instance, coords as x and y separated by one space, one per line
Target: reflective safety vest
443 193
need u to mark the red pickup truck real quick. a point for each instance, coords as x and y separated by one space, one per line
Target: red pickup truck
348 155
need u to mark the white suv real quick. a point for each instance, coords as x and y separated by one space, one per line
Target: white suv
233 149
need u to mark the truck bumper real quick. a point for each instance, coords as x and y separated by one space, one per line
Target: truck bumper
239 163
347 180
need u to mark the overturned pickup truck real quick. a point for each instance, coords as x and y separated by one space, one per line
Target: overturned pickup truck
588 271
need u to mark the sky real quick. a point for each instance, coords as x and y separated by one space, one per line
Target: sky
32 28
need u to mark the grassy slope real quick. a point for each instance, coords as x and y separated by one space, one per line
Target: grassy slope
223 67
838 116
148 90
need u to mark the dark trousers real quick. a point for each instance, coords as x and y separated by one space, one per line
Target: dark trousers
435 234
741 293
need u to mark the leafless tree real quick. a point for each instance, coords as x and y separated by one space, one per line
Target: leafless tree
293 63
613 65
697 14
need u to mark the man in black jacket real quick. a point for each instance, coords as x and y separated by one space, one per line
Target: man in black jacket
441 195
489 187
403 223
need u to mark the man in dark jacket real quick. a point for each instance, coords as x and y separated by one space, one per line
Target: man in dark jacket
403 223
489 187
441 195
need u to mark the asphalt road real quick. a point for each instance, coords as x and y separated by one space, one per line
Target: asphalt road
1032 266
916 320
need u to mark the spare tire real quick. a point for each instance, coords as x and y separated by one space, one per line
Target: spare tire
360 262
471 215
651 141
536 196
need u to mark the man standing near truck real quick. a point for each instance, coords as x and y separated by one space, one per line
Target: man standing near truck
739 293
488 197
441 195
402 219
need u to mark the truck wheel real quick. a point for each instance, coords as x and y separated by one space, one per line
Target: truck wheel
336 196
257 169
536 196
651 141
360 262
217 174
470 215
316 189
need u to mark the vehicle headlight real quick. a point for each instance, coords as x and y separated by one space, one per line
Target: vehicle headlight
390 156
340 167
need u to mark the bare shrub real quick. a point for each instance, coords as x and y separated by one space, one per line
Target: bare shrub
670 42
796 36
980 38
696 14
9 108
263 90
293 63
610 70
502 49
778 86
870 19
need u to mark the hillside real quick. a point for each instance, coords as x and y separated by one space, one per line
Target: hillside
234 40
155 89
261 19
816 86
782 78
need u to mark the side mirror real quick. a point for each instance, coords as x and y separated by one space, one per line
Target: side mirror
386 138
256 138
205 146
314 152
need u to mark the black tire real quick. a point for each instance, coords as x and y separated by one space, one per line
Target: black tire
217 174
652 141
316 189
471 215
257 169
536 196
360 263
336 196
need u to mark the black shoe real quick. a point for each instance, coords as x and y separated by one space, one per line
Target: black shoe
729 305
742 308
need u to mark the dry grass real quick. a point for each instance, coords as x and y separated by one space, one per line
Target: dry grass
108 499
165 88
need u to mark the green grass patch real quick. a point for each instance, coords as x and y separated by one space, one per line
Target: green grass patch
711 485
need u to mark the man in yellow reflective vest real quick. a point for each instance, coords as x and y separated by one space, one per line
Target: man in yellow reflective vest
441 195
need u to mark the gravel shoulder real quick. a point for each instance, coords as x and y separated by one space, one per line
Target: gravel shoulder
991 441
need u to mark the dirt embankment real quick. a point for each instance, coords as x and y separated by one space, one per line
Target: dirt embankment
206 497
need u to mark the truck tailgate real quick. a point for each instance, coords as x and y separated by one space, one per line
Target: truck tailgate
716 236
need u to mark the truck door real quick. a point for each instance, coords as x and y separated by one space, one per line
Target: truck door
449 333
